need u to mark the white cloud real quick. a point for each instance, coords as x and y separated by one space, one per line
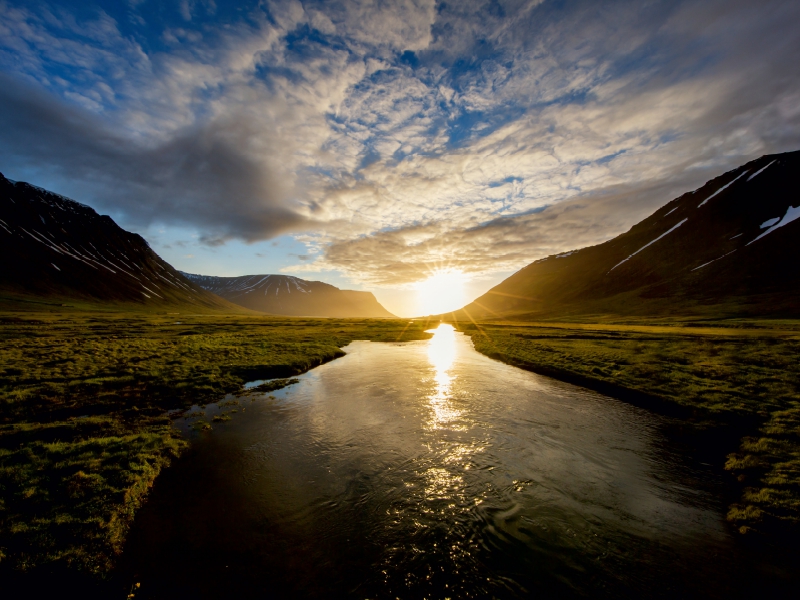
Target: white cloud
505 108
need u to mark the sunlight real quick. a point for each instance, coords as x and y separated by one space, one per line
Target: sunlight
442 292
441 354
442 350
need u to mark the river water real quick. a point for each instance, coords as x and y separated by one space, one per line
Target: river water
427 470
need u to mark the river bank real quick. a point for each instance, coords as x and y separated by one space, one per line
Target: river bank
736 385
429 470
83 431
83 402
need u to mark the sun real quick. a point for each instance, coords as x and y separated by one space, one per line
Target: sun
442 292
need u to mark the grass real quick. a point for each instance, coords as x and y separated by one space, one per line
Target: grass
84 397
83 400
742 378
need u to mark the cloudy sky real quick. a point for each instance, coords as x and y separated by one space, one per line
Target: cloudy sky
368 143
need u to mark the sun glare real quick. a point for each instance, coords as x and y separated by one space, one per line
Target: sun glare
441 292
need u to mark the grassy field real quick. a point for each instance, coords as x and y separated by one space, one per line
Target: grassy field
739 381
84 395
83 401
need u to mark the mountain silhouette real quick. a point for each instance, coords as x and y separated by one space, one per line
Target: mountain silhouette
291 296
727 249
58 249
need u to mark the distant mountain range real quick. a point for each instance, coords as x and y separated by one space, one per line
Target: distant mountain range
56 248
730 248
286 295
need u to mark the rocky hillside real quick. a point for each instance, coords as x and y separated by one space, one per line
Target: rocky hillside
729 248
56 248
286 295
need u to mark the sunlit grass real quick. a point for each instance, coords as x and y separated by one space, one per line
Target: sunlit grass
744 378
83 401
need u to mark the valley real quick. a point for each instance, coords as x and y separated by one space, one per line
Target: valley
422 299
106 347
84 429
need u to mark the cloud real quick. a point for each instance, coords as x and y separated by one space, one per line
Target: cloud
201 175
399 257
398 25
391 137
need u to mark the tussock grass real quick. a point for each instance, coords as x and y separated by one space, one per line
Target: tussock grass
740 376
83 400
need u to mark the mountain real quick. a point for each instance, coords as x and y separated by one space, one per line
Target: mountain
56 248
286 295
729 248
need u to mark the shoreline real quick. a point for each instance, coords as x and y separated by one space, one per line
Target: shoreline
83 398
76 379
725 430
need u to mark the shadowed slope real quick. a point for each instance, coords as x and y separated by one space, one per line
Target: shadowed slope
56 248
729 248
287 295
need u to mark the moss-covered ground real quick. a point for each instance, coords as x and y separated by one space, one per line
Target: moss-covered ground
742 378
84 395
83 401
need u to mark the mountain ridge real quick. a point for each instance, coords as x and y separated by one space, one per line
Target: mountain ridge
292 296
724 248
56 247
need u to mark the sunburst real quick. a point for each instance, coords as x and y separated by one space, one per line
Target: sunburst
442 292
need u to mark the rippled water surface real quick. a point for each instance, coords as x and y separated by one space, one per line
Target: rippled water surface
425 469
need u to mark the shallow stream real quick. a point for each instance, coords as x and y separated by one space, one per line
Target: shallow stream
427 470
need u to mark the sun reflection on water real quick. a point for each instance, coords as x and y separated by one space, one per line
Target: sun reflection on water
451 439
442 354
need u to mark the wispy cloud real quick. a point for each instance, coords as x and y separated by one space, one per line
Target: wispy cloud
392 137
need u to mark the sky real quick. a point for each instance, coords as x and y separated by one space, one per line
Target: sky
370 143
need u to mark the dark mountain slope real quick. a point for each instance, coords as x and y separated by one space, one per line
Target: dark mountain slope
54 247
729 248
286 295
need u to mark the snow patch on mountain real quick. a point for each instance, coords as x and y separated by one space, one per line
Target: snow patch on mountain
649 244
770 222
762 169
792 213
722 189
713 261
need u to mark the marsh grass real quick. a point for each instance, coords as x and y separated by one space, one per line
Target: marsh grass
742 377
271 386
84 429
84 396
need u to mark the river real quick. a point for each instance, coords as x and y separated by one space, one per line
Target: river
427 470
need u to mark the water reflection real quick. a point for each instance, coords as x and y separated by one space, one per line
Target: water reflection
446 495
429 470
442 348
442 354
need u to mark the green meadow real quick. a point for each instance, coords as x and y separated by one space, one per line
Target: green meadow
735 385
84 397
